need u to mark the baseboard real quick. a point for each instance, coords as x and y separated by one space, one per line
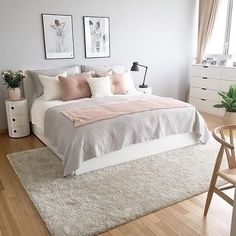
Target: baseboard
3 131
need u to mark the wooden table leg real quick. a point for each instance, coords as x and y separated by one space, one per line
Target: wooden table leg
233 222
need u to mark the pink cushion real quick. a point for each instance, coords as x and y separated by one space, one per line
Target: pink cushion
119 85
75 87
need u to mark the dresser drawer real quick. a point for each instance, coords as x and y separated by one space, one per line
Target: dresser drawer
225 84
203 82
204 93
229 74
206 71
206 106
17 120
19 131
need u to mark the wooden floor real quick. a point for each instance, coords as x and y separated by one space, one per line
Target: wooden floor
18 216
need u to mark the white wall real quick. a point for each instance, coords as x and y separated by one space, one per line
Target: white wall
157 33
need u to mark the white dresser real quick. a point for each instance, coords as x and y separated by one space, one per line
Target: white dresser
205 82
17 118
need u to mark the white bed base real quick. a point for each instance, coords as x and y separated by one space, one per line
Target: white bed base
129 153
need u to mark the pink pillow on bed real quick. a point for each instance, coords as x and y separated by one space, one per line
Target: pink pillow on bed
119 85
75 87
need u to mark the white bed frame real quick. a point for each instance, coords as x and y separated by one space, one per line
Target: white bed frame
129 153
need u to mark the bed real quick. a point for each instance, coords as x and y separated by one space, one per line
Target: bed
111 141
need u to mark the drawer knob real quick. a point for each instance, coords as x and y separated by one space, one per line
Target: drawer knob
12 108
204 77
203 99
15 131
205 66
13 119
204 89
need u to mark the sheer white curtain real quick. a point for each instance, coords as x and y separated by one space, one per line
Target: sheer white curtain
207 15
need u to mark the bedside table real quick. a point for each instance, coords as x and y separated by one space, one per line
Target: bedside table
147 90
17 118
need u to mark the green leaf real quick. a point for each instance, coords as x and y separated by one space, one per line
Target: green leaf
229 101
224 95
219 106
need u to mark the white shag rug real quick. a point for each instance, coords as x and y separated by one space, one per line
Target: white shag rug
106 198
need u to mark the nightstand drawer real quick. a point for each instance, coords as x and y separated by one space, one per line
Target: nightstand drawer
17 120
19 131
204 82
147 91
17 109
206 71
204 93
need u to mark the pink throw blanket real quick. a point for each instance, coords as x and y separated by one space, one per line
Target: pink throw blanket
83 116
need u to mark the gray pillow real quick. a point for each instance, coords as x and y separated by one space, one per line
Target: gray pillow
71 71
103 68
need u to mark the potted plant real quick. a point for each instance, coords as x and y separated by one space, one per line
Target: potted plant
228 103
13 81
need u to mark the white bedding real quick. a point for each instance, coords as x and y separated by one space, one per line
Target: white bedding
39 107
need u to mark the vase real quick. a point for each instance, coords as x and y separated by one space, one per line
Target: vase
14 94
229 118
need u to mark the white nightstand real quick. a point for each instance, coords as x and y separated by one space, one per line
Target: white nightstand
147 90
17 118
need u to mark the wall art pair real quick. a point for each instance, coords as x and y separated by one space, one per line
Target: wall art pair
59 39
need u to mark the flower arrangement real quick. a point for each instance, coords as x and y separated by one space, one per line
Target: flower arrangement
12 78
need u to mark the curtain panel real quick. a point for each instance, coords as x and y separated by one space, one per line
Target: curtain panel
207 15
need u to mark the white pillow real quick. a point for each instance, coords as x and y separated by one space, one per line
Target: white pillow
51 87
129 84
100 87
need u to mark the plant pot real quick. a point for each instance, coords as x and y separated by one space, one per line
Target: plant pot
229 118
14 94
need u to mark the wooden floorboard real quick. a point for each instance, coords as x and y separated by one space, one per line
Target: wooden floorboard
18 215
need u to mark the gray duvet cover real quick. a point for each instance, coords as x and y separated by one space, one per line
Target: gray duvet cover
93 140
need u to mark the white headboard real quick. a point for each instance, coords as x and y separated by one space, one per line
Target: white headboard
28 88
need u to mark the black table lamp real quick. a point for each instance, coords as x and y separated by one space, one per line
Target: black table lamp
135 67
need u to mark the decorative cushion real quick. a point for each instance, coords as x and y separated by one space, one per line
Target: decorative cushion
51 85
122 83
119 85
100 87
75 87
34 74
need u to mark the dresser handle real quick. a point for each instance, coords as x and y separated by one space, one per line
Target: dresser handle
15 131
205 66
203 99
12 108
13 119
204 89
204 77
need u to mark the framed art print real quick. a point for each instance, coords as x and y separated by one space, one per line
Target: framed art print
58 36
97 36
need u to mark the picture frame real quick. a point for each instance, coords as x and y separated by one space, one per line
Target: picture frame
97 37
58 36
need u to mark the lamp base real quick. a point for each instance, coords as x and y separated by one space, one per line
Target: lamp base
143 86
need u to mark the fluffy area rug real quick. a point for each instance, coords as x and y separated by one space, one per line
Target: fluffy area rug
106 198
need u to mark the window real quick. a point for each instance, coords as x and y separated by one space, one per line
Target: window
223 38
232 42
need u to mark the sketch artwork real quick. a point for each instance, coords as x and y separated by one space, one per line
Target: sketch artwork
58 36
97 36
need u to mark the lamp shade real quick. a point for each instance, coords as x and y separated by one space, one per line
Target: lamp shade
135 66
